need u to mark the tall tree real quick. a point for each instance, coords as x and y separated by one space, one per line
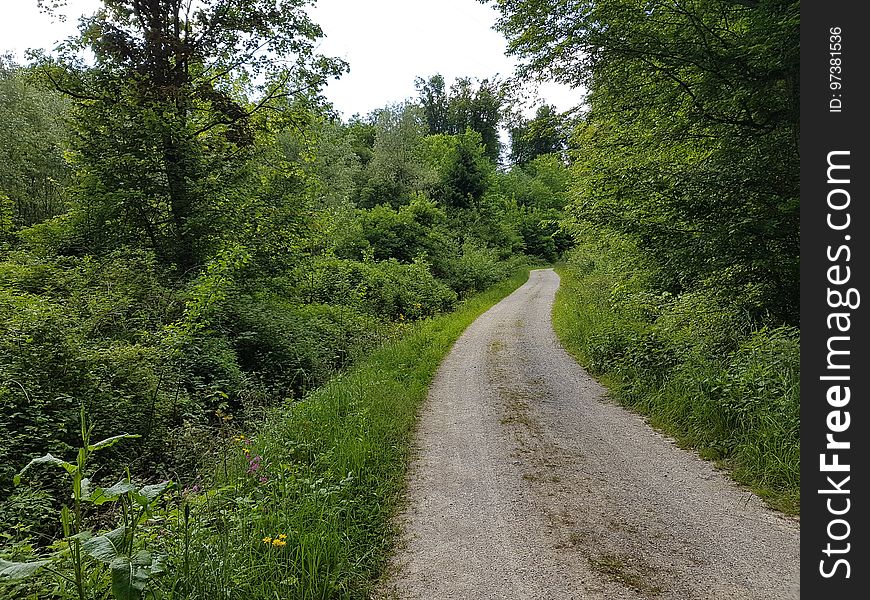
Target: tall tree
465 181
468 105
433 97
690 143
34 174
395 169
545 133
163 115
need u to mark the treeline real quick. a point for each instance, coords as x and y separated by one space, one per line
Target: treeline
684 288
183 248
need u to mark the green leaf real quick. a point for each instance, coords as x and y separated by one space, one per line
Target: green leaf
47 459
86 489
82 536
14 571
103 495
109 442
147 494
128 578
158 565
107 547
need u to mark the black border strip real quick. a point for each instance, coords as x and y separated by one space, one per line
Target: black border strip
835 222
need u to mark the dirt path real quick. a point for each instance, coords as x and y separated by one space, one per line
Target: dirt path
529 484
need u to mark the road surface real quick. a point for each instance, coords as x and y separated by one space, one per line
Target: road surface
528 483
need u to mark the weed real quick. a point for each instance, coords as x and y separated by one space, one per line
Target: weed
89 562
691 366
622 571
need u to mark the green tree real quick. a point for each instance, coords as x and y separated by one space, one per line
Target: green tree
467 105
163 117
690 141
465 181
545 133
433 97
414 230
463 170
395 170
34 174
361 136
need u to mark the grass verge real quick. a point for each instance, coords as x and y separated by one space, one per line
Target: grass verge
732 396
302 509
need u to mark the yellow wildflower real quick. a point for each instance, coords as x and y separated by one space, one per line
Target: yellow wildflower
267 540
282 536
279 543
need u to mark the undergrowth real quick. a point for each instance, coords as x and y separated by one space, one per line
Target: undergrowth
302 507
698 368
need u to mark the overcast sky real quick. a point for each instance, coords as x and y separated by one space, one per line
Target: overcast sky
388 43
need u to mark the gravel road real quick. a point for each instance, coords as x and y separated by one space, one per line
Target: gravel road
528 482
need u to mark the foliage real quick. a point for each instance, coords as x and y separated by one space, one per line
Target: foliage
417 229
545 133
395 170
385 289
476 268
464 173
163 116
464 107
693 362
32 141
89 562
690 141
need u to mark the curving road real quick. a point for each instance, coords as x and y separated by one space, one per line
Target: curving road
529 483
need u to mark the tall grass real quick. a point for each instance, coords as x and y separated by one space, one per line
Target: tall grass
302 508
695 366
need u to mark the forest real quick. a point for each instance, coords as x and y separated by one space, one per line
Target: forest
221 303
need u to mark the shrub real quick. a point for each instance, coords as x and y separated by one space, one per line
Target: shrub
691 361
385 289
475 269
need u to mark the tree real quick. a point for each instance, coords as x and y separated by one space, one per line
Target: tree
690 141
465 181
433 97
395 169
464 107
545 133
163 116
34 174
461 167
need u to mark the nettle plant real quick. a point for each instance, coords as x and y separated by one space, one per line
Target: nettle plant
84 563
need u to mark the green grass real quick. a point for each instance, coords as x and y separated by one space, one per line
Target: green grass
329 478
738 407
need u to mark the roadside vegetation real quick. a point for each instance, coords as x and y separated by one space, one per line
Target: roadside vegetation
299 507
699 372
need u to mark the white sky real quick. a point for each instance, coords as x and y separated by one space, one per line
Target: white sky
388 43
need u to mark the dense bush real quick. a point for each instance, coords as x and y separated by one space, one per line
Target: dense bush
695 363
476 268
387 289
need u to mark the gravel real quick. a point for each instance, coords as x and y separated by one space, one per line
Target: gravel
527 482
